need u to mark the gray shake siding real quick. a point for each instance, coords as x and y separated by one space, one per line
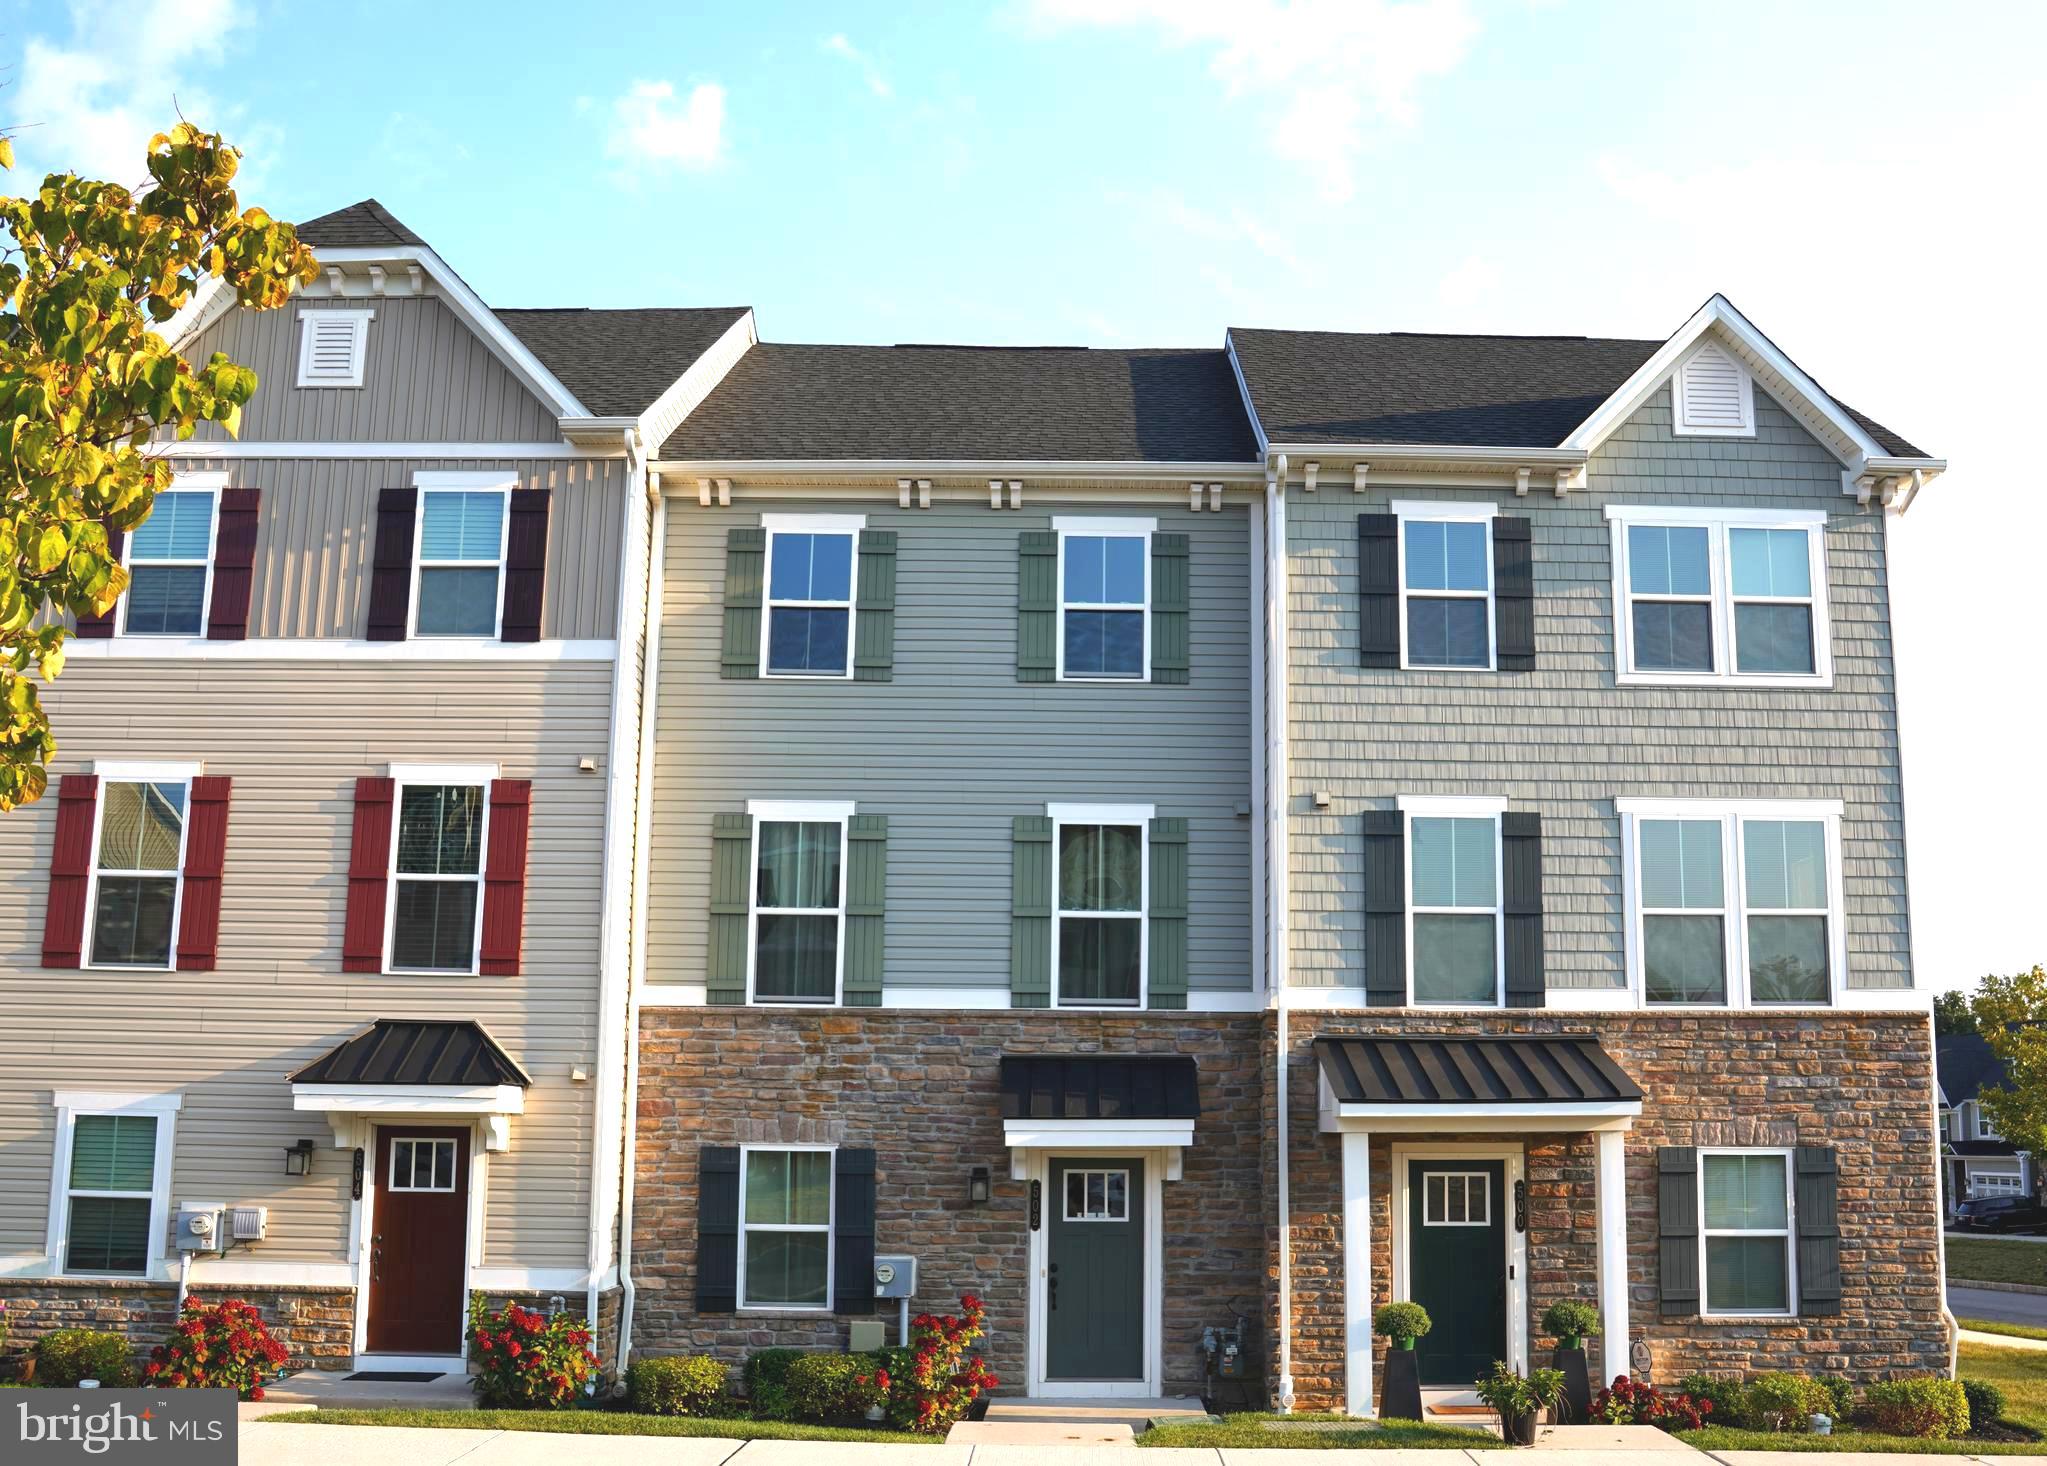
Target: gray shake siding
1564 738
954 746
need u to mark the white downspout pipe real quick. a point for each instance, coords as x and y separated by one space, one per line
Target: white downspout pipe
1276 923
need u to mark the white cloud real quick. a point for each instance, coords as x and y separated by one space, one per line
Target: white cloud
1470 283
647 127
1335 66
870 73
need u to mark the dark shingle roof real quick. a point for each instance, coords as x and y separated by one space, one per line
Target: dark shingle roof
964 402
1966 1064
618 361
366 223
411 1051
1450 1071
1981 1148
1099 1087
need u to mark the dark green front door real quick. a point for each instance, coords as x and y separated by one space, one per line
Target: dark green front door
1457 1266
1094 1283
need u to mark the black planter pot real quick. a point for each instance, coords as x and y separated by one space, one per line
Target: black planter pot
1577 1402
1520 1429
1400 1396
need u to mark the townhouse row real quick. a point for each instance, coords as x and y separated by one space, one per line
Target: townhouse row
592 806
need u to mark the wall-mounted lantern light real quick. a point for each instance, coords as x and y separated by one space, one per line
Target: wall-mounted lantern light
978 1186
298 1161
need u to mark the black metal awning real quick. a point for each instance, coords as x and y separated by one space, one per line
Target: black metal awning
412 1051
1502 1070
1098 1087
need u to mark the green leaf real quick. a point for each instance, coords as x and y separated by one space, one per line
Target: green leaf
51 548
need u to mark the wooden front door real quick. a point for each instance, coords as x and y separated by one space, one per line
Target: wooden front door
1457 1267
1094 1284
419 1241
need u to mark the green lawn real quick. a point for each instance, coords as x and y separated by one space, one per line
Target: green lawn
599 1422
1252 1430
1994 1260
2011 1330
2020 1373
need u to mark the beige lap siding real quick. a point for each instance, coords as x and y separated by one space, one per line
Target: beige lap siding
295 738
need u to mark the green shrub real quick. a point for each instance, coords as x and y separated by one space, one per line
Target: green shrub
1925 1406
1570 1320
1986 1402
1840 1395
766 1376
827 1387
1401 1321
1728 1397
688 1384
66 1356
1779 1400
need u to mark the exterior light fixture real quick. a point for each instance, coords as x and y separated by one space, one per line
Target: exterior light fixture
298 1160
978 1186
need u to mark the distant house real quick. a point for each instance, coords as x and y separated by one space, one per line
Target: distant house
1975 1159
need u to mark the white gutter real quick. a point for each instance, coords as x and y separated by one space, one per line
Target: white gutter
1276 924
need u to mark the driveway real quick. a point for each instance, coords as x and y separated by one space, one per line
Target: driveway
1997 1305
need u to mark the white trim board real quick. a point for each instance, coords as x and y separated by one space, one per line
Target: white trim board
322 649
962 1000
1037 1168
427 451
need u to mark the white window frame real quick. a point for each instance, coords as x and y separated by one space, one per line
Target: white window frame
1680 403
1717 523
1730 815
358 352
436 776
185 483
1068 525
126 772
497 481
850 525
1140 815
1485 1195
1413 807
1789 1234
778 811
1066 1212
830 1228
1447 511
416 1141
71 1106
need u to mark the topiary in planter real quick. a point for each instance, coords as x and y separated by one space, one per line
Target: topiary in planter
1570 1321
1403 1323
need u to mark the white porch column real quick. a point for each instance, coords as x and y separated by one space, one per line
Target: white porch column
1357 1272
1613 1255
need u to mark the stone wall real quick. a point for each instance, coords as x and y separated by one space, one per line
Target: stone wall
315 1324
921 1089
1860 1083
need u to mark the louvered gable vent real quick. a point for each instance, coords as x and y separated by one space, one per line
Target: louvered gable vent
331 347
1713 394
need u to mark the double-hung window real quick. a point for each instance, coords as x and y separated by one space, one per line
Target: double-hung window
436 905
1729 596
1103 896
808 629
109 1204
1104 599
170 560
1455 915
1733 904
460 565
1745 1235
138 864
1446 585
785 1227
798 905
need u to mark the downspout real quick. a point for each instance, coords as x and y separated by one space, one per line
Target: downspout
1276 884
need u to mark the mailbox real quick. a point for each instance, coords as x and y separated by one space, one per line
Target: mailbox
895 1277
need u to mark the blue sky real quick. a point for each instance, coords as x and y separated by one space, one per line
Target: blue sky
1861 180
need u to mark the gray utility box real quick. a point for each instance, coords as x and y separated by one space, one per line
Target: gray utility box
895 1277
201 1231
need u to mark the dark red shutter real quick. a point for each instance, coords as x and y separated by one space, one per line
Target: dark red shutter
205 855
369 859
525 564
101 628
234 565
391 570
70 870
504 877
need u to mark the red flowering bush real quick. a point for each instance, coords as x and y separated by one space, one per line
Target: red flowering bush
221 1347
527 1360
932 1383
1637 1402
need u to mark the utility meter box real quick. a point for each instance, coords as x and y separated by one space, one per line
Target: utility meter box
200 1231
895 1277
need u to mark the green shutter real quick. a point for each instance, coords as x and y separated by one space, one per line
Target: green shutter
746 554
874 606
1170 597
731 861
1030 912
866 895
1037 606
1166 959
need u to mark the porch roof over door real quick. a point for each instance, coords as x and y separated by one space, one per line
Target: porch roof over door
1514 1082
409 1069
1098 1102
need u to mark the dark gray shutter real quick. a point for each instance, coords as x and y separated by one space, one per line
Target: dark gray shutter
1166 954
1816 1195
866 897
391 566
1521 863
746 554
1677 1231
1385 909
1513 594
1030 912
99 625
718 1229
1171 601
874 606
525 564
731 874
1378 590
1037 605
853 1230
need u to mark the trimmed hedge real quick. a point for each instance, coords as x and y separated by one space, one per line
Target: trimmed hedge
1926 1406
66 1356
688 1384
766 1376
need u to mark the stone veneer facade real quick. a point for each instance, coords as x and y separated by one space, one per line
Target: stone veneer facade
1859 1082
315 1324
921 1089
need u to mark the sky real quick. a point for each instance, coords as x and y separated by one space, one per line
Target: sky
1863 181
